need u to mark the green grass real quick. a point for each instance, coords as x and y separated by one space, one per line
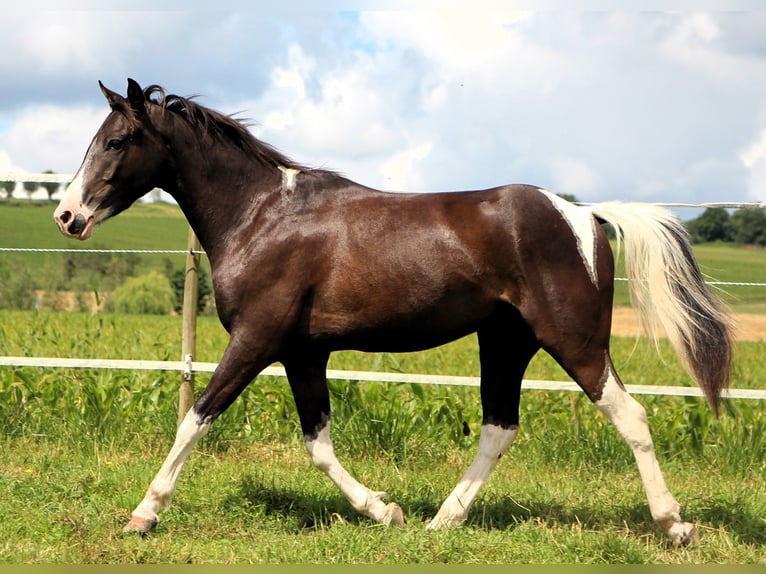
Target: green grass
722 262
264 503
29 224
79 447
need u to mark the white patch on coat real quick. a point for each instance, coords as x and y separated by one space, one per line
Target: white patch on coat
583 225
288 177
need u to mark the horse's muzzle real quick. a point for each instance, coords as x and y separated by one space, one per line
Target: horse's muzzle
72 225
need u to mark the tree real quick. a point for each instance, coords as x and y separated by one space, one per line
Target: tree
147 294
749 224
50 186
177 280
713 225
30 187
8 187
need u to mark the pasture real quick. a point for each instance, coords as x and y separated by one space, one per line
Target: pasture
79 446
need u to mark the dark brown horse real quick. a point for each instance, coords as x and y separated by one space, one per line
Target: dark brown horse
306 262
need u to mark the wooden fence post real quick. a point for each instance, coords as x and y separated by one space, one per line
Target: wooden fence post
189 340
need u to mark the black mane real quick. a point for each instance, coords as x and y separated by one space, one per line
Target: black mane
220 126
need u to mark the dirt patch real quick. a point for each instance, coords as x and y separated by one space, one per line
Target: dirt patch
746 327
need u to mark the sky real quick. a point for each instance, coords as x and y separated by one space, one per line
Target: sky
628 105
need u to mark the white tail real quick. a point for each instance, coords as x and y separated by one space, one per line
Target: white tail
667 288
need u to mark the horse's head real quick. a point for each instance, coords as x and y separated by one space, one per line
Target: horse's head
124 162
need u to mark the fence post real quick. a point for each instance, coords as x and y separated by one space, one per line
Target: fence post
189 338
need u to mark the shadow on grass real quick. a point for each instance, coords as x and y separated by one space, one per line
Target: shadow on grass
305 510
739 523
311 510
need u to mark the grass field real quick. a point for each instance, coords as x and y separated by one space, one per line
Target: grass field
79 447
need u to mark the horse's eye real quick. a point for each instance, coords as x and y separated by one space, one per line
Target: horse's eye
114 144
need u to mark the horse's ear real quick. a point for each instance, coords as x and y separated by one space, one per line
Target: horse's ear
136 96
115 100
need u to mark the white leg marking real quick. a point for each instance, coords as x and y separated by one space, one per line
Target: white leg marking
583 225
630 420
363 499
161 490
494 441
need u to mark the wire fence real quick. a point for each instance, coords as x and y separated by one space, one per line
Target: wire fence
188 367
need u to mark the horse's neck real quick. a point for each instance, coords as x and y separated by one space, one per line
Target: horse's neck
224 198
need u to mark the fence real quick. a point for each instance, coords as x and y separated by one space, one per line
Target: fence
187 367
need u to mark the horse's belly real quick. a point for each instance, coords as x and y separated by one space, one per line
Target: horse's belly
396 323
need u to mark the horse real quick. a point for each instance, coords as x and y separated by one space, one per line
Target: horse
306 262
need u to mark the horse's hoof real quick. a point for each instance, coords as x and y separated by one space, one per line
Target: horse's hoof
393 515
689 536
140 524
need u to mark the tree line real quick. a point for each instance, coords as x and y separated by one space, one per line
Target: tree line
746 226
50 187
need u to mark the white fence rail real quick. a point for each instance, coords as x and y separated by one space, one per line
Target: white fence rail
358 376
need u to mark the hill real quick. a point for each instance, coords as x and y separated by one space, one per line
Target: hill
29 224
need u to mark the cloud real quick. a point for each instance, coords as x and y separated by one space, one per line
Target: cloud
475 49
573 176
604 105
330 116
400 172
753 158
50 137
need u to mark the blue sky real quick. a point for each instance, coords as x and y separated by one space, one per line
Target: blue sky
652 106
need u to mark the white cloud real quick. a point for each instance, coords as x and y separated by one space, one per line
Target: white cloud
83 43
51 137
753 157
573 176
472 48
602 105
400 172
6 165
346 114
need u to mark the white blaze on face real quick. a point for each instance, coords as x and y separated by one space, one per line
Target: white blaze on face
71 205
73 193
583 225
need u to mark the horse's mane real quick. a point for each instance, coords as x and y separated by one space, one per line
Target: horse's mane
217 125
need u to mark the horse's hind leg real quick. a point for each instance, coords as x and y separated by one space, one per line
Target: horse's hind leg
590 365
308 381
630 419
503 362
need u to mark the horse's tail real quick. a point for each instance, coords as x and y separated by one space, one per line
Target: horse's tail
667 288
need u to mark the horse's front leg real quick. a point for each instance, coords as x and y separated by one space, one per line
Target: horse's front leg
308 381
231 376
